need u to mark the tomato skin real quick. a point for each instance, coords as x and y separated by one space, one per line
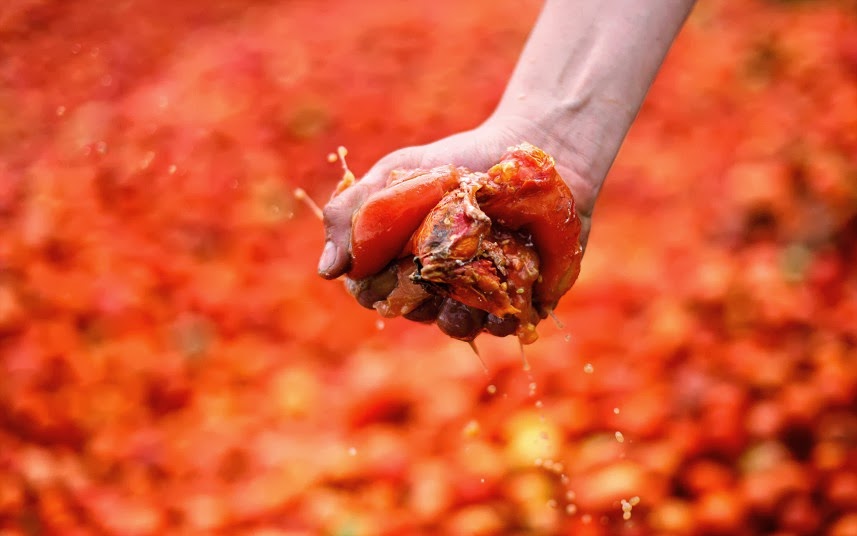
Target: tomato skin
383 225
515 259
529 194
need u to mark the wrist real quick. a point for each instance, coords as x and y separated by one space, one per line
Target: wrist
586 69
583 130
582 143
573 164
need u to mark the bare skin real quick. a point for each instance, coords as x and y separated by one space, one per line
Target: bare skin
577 87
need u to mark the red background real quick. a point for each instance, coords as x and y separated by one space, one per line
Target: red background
171 364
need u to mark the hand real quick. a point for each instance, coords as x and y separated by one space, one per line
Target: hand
477 149
578 86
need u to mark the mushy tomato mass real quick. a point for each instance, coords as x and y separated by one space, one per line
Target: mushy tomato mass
170 363
503 242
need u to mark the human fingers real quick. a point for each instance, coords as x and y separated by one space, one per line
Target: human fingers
370 290
335 259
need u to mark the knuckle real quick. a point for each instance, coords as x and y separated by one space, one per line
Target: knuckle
399 159
338 210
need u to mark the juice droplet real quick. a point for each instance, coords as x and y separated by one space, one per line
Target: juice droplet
619 437
539 404
570 495
588 368
615 411
379 324
526 364
628 506
556 320
471 429
352 451
347 175
478 356
301 195
571 509
492 389
532 388
348 178
586 518
147 160
552 503
567 338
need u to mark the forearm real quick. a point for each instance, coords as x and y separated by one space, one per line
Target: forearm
585 71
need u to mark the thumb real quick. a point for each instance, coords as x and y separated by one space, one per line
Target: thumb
336 257
338 213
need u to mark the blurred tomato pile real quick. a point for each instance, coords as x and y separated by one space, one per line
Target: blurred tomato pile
171 364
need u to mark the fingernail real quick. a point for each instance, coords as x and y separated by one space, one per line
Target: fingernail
328 257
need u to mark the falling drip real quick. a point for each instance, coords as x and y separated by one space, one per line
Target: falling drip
347 176
526 363
471 429
301 195
478 356
343 152
556 320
